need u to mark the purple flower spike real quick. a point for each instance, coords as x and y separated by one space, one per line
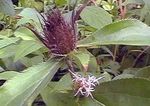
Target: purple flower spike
59 35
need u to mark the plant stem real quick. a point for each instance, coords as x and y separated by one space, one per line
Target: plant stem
70 66
115 53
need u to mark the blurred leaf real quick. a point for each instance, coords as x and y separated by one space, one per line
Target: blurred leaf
7 75
107 77
143 73
132 71
81 58
8 51
84 60
107 6
30 15
93 65
57 99
22 2
1 68
11 65
38 5
6 6
60 2
25 48
133 2
145 12
25 34
22 89
65 99
125 32
64 84
89 102
96 17
26 61
124 92
123 76
36 59
7 41
6 33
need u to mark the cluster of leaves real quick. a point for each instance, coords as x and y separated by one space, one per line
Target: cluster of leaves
107 46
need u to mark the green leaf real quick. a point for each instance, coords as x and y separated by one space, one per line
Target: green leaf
89 102
25 34
5 33
26 13
38 5
123 76
81 58
8 75
107 6
7 41
8 51
26 61
64 84
143 73
124 92
84 60
145 12
6 6
34 19
65 99
36 59
22 89
124 32
96 16
93 65
107 77
25 48
133 2
60 2
57 99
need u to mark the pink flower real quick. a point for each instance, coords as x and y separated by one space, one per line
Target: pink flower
85 85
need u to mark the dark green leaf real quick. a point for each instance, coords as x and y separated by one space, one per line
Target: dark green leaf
89 102
143 73
64 84
65 99
124 92
57 99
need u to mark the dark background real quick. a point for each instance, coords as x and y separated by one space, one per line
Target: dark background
15 2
